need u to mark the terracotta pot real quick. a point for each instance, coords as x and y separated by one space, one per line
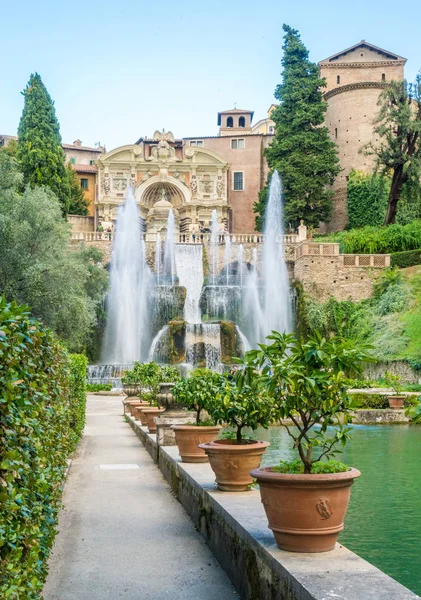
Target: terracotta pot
137 410
150 414
133 405
305 512
188 438
396 402
233 462
141 414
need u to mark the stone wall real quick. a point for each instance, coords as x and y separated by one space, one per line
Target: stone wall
397 367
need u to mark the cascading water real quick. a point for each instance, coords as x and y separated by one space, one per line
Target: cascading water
227 259
158 257
213 249
127 333
189 266
169 258
268 302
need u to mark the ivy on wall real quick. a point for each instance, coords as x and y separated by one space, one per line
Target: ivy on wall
42 407
367 199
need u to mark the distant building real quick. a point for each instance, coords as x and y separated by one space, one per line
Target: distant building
355 78
198 175
83 159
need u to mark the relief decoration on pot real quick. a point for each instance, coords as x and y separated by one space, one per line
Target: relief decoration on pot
324 508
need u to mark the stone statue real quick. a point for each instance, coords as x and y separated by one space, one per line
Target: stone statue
163 152
193 185
219 187
106 184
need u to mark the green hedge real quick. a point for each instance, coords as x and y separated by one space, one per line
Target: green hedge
405 259
99 387
367 199
41 417
369 400
78 365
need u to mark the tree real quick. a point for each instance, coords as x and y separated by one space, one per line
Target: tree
301 150
78 204
39 153
397 150
11 148
38 267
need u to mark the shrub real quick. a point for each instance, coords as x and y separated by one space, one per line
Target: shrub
405 259
78 364
198 391
40 424
368 400
99 387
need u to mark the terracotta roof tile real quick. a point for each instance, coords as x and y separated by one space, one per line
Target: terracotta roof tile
85 168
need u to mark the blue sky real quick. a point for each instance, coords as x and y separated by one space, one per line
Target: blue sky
120 70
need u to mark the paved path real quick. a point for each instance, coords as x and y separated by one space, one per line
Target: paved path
122 533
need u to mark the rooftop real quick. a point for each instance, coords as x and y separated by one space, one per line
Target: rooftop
363 44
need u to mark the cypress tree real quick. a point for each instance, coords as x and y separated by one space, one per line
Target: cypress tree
39 153
302 150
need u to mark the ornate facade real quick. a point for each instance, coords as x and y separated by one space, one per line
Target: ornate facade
164 174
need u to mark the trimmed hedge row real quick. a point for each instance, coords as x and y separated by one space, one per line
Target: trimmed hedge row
41 418
405 259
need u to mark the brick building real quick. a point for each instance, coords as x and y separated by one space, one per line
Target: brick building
355 78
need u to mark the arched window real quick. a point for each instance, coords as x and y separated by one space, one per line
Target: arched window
338 79
230 122
241 122
383 76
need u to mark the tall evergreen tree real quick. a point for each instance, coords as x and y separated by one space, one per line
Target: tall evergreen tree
302 150
39 153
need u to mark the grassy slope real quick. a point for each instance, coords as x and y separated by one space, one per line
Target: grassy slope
411 318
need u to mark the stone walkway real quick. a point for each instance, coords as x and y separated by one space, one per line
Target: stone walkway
122 533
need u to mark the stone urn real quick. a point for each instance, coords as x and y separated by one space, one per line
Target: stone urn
166 400
131 389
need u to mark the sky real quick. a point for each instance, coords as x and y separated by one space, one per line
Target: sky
118 71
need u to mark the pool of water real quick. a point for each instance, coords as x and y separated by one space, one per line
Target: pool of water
383 523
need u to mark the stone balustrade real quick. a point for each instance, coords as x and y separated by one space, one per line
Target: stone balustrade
365 260
189 238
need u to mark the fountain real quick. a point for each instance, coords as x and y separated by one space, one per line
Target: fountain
131 283
176 317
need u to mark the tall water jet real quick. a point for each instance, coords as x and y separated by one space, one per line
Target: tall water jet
276 307
227 258
169 257
127 333
214 245
189 264
240 264
158 257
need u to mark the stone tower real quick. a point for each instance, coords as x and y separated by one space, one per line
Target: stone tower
355 77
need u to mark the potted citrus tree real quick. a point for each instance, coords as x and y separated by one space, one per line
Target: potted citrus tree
240 405
306 500
396 401
196 393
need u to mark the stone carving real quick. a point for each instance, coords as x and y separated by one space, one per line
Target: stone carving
193 186
206 187
324 508
146 176
163 152
219 187
180 177
119 184
166 136
106 184
190 152
133 181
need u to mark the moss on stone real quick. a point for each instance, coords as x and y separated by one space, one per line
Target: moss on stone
177 335
229 342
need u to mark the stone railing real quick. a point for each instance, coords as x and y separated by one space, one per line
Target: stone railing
310 249
365 260
188 238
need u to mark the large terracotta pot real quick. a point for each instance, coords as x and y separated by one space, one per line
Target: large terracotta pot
396 402
188 438
137 410
141 414
305 512
232 462
132 405
150 414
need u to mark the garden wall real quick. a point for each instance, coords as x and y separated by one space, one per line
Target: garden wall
397 367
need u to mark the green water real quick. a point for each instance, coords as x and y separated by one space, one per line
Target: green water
383 523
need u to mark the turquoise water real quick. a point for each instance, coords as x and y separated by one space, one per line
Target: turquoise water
383 523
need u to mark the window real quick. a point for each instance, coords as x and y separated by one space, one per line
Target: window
198 143
84 184
271 129
91 162
238 181
237 144
241 122
230 122
336 133
383 76
338 79
72 161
